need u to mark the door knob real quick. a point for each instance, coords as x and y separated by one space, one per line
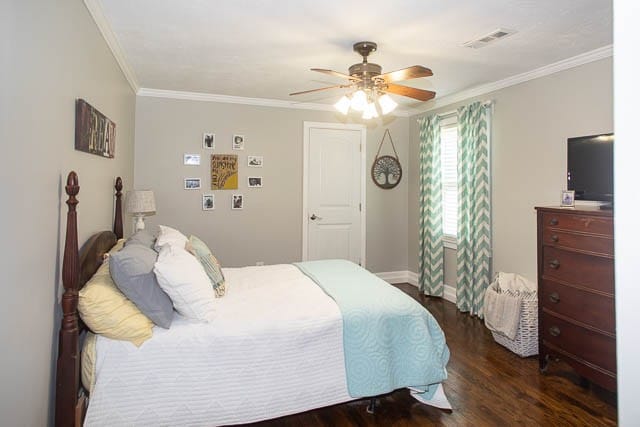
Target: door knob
314 217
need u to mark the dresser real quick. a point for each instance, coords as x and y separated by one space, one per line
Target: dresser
576 291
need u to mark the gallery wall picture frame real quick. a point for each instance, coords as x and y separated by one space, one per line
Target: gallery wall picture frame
192 183
209 140
224 171
95 133
254 182
208 202
568 198
255 161
191 159
237 143
237 201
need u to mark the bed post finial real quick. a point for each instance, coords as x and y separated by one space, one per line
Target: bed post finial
68 355
117 222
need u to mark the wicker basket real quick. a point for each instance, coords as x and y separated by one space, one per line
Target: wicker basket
525 343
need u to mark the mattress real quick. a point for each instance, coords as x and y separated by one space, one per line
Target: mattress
275 348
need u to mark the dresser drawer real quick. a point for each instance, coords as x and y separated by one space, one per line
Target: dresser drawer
584 306
576 222
582 343
589 271
596 244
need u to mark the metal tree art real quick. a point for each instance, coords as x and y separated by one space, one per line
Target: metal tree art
386 171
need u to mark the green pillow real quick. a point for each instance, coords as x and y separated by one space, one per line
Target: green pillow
211 265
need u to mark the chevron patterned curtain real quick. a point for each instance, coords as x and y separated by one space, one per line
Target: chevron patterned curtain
474 208
431 251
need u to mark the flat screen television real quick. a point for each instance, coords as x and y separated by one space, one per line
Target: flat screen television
590 167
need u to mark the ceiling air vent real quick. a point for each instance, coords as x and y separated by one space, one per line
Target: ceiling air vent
493 36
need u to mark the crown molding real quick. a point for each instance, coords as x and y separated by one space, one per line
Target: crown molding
566 64
229 99
97 13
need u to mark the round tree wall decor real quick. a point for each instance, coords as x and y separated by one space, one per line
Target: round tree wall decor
386 171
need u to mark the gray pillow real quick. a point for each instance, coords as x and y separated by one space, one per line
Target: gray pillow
143 237
132 271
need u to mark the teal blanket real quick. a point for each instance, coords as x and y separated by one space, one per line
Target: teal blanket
390 340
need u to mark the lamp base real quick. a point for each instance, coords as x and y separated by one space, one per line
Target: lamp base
139 224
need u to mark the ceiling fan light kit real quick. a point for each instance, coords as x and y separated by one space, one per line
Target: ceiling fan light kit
369 86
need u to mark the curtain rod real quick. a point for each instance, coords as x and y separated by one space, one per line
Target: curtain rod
487 103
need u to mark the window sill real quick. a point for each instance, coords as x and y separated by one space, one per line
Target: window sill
450 242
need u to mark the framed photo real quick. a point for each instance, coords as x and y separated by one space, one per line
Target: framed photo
209 141
224 171
254 161
568 198
254 181
95 133
238 142
237 201
192 159
208 202
192 183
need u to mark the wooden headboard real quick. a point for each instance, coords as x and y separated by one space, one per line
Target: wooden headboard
77 269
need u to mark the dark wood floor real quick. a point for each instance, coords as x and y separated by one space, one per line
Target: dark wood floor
487 386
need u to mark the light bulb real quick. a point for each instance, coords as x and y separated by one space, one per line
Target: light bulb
387 104
359 100
343 105
370 111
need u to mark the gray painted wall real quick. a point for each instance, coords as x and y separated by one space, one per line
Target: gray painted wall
531 124
269 229
52 53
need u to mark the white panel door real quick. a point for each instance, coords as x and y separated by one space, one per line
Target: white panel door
334 192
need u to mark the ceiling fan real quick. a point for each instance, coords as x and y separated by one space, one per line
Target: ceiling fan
370 87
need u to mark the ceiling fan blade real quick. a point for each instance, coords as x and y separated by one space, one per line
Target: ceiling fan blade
337 74
411 92
317 90
408 73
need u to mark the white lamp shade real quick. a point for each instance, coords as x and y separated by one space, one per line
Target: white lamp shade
359 100
343 105
387 104
370 111
140 202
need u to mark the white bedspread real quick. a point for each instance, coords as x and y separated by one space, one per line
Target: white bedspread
275 348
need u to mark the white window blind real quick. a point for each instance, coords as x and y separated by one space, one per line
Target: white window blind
449 167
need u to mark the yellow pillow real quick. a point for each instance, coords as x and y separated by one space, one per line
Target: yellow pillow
107 311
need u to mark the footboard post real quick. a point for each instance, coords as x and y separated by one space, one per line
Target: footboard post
68 364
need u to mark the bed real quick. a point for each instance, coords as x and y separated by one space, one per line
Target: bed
284 339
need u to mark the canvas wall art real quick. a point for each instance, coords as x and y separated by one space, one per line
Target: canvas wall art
95 133
224 172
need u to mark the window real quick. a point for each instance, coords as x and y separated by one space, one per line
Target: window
449 168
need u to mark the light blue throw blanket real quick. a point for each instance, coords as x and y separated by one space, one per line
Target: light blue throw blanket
390 340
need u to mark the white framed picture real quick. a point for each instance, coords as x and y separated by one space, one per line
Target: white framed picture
191 160
237 201
254 181
208 202
238 142
209 140
192 183
568 198
254 161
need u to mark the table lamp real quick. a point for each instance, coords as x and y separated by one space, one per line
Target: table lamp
140 203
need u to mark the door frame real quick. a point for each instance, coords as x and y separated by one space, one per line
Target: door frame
363 184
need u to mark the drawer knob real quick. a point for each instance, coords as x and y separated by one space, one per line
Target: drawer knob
555 238
554 221
554 264
554 331
554 298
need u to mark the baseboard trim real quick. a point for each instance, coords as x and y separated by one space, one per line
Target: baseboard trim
406 276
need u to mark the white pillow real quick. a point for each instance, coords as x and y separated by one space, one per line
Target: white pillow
170 236
182 277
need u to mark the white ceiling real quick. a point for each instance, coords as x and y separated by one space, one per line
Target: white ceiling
264 48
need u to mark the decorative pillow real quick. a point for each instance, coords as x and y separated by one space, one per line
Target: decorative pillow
170 236
132 271
211 266
142 237
107 311
182 277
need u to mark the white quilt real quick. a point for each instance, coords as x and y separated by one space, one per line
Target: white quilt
274 348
